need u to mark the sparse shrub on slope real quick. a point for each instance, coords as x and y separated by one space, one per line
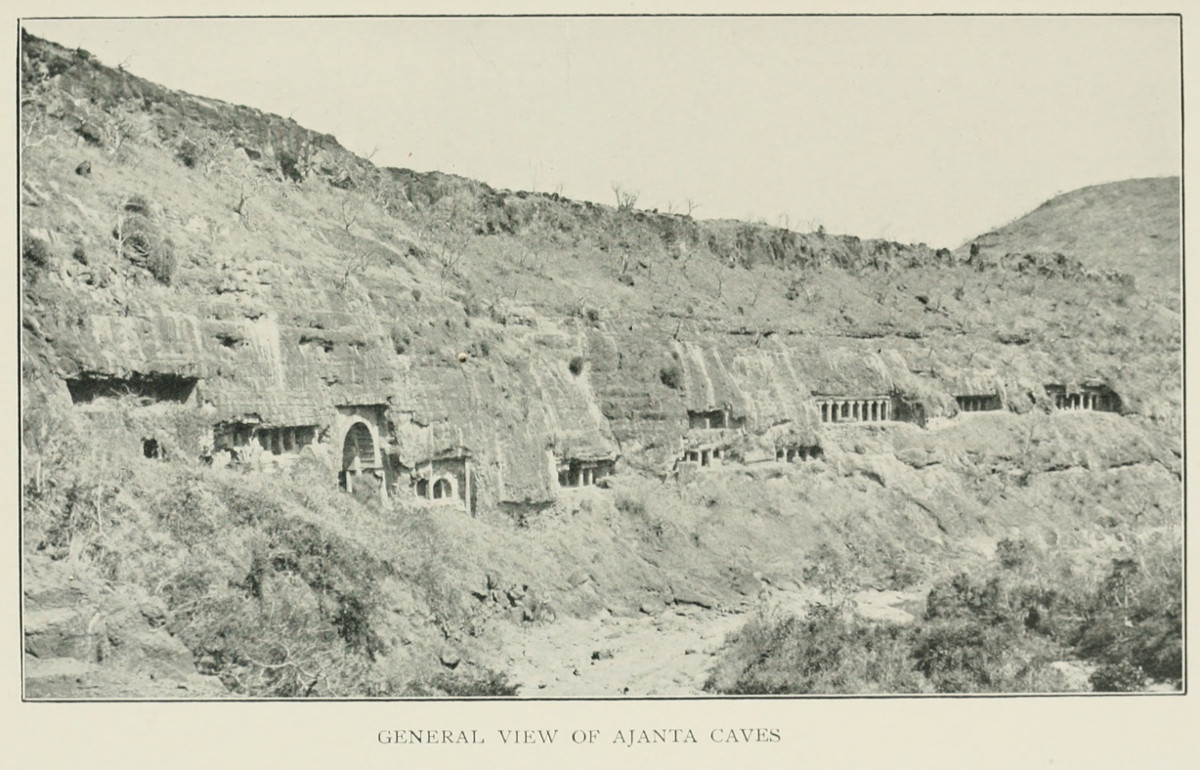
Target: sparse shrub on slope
963 597
401 338
264 593
162 261
997 629
476 683
1013 554
268 600
969 656
36 256
829 651
140 241
1135 617
1121 676
71 486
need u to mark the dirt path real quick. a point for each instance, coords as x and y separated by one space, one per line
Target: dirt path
668 654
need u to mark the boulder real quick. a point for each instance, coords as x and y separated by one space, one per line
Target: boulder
684 595
744 582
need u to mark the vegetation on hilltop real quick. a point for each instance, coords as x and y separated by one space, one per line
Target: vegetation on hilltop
1131 226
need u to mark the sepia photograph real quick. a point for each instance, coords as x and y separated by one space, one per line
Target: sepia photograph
611 357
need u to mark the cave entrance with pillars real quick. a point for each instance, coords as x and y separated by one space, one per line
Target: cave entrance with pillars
705 457
715 419
1093 398
978 403
797 452
360 464
870 409
583 473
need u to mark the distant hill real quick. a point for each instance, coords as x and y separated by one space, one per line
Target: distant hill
1131 226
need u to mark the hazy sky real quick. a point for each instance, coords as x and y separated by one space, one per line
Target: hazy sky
914 129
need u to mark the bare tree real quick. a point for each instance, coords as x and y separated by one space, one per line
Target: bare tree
214 231
351 207
758 287
531 260
120 126
247 189
446 243
33 123
626 199
357 264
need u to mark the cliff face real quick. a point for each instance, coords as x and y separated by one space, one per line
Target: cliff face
207 282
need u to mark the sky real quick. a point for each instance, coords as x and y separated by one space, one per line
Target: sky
916 129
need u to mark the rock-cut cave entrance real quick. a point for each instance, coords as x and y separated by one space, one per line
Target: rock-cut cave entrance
358 453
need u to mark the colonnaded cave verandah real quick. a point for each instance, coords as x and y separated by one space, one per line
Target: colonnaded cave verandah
792 453
584 472
978 402
1097 398
871 409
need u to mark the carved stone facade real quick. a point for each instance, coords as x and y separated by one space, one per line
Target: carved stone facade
793 453
583 473
250 442
444 479
704 458
978 403
1098 398
359 434
845 409
714 419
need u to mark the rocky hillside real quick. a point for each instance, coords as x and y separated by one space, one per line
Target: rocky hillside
390 414
1130 227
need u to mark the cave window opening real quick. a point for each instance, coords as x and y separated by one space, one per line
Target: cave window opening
705 420
150 388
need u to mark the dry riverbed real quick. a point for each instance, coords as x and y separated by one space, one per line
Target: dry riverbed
665 654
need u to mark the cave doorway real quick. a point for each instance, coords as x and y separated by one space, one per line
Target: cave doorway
358 453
